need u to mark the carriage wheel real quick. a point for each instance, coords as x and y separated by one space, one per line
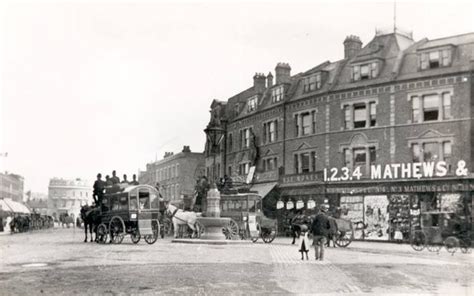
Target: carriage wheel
343 238
434 248
117 231
465 245
151 239
268 235
231 231
135 236
418 240
254 239
102 232
451 244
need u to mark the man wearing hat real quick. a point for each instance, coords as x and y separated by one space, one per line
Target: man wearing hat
320 229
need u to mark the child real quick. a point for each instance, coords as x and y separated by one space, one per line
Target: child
304 242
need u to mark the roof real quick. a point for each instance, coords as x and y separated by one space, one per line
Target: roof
8 205
451 40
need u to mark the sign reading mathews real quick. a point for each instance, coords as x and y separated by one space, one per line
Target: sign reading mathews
416 170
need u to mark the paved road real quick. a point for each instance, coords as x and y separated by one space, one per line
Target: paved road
58 262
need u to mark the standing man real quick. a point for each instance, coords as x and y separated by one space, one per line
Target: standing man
125 179
114 179
320 229
134 181
98 191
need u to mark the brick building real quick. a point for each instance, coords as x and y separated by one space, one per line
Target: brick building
176 173
382 133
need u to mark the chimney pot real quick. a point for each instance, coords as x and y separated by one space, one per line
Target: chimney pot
269 80
282 73
259 82
352 45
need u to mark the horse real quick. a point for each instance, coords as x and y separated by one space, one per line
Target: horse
180 217
90 216
65 219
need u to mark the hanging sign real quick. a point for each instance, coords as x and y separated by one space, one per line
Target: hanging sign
299 204
289 205
280 205
311 204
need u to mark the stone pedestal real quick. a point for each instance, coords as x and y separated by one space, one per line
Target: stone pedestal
213 227
213 203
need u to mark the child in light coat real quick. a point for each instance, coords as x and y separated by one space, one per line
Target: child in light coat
303 243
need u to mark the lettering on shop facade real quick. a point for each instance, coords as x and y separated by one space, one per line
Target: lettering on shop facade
403 188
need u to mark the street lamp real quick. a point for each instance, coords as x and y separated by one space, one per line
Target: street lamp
214 135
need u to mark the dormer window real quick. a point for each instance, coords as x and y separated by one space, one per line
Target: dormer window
365 71
236 109
252 104
435 59
277 94
312 82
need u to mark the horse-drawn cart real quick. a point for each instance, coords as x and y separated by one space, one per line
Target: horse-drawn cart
133 210
247 218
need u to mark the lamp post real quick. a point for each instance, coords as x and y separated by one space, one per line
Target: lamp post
214 134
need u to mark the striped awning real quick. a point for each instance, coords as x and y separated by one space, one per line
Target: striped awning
8 205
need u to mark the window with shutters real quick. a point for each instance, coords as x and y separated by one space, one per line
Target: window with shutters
437 58
431 106
365 71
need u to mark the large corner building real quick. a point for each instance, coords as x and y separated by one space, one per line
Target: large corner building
385 133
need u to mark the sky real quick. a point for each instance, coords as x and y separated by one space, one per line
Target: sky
92 87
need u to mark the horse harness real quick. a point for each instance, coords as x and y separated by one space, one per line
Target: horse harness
173 216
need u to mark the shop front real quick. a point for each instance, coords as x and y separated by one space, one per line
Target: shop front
386 210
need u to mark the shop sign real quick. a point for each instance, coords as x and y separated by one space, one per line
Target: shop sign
416 170
266 176
456 187
290 179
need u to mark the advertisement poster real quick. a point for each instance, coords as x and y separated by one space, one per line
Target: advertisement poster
376 217
451 202
399 217
352 210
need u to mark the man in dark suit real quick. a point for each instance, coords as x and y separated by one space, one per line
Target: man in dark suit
98 191
320 229
114 179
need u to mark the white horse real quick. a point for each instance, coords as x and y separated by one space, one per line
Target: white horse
180 217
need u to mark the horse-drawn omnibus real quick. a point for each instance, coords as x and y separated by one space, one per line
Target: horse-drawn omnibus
133 210
247 218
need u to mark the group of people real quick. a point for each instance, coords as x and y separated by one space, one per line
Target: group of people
100 185
320 229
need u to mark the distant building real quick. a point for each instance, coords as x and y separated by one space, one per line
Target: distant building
11 186
176 173
67 196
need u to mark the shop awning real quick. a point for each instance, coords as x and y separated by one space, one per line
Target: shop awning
9 205
263 189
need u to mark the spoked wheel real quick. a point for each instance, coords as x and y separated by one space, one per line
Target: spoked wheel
231 230
135 237
102 232
255 238
451 244
268 235
200 229
151 238
465 245
343 238
117 231
418 240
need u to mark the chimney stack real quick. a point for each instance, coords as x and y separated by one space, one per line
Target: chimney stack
269 80
282 73
259 82
352 45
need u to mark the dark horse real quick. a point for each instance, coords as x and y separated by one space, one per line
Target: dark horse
91 217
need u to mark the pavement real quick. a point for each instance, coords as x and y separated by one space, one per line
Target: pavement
57 262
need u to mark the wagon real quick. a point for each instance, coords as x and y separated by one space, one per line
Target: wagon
441 228
247 218
129 210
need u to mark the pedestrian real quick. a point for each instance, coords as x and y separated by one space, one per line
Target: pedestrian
134 181
320 229
304 242
114 178
98 191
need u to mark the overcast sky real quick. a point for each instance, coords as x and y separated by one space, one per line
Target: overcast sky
88 88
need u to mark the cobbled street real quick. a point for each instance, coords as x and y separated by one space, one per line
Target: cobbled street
57 261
